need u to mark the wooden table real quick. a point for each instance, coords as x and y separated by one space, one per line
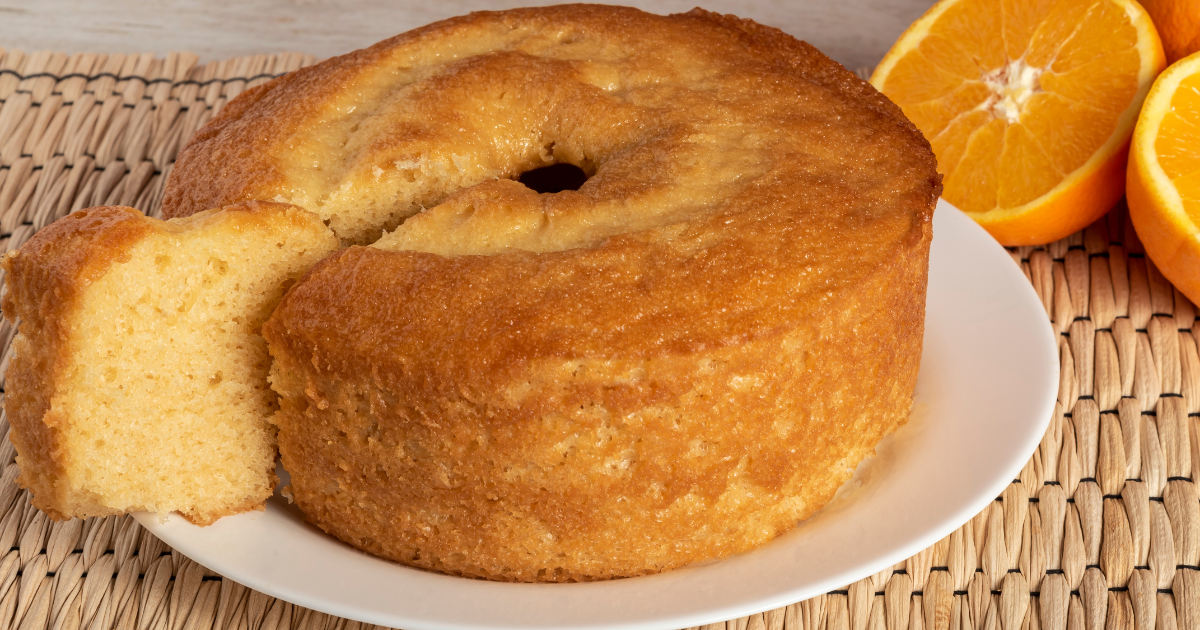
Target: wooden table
855 32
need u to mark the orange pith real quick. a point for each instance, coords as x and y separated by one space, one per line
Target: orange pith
1029 105
1164 175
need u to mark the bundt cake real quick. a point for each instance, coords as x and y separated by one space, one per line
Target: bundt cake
673 363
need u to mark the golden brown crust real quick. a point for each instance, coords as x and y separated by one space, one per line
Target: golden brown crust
250 504
436 433
629 402
266 144
806 60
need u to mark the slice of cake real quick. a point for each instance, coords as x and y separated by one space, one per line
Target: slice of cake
139 377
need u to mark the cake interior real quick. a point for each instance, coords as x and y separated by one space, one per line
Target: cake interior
165 391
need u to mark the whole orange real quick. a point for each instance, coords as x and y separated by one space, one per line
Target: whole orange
1178 24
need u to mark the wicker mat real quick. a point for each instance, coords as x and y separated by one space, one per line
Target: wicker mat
1101 531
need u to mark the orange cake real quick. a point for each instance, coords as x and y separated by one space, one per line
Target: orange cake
138 379
673 363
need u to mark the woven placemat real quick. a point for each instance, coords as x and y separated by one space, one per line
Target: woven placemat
1101 531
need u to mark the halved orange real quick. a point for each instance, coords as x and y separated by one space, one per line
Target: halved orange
1029 105
1164 175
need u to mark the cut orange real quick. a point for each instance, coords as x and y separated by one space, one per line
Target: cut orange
1029 105
1164 175
1178 24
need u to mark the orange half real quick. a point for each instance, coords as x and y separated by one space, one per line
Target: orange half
1029 106
1164 175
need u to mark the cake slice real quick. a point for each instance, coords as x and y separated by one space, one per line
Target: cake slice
138 379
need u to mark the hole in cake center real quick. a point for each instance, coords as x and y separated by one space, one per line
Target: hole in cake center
554 178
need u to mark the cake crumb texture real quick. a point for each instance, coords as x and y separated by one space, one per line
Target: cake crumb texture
138 379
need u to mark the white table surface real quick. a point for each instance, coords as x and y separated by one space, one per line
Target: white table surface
855 32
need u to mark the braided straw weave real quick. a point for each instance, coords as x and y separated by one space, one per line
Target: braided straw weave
1101 531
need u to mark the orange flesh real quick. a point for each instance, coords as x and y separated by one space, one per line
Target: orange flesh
1077 64
1177 142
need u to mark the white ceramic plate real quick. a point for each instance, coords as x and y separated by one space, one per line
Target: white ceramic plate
985 393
